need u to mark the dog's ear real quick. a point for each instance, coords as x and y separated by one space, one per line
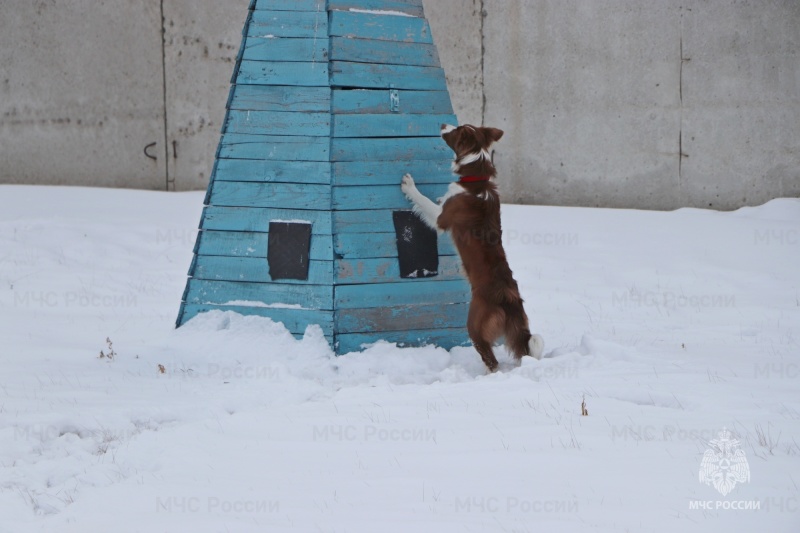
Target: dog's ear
494 134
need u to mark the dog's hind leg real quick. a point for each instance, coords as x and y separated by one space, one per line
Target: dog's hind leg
484 325
519 340
517 343
484 348
516 330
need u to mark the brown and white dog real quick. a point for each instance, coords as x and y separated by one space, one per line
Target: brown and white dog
471 212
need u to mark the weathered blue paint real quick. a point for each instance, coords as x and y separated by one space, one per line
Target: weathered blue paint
277 73
364 221
254 244
269 24
375 76
405 149
386 270
388 125
257 218
249 194
279 48
280 98
331 103
401 318
380 27
384 52
372 245
381 197
252 269
275 148
378 101
278 123
201 291
358 173
272 171
425 291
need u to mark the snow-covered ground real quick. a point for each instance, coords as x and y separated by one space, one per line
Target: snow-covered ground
670 326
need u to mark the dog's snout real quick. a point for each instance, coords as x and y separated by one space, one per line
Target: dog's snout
447 128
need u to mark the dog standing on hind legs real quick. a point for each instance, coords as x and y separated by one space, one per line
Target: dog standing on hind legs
470 211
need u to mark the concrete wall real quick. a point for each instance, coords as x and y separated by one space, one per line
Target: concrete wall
655 105
618 103
87 86
81 92
200 51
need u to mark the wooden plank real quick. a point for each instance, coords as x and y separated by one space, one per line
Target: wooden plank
249 194
201 291
284 73
280 123
274 148
254 244
364 221
352 225
387 270
372 245
385 52
294 320
444 338
290 5
379 196
272 171
389 125
391 172
374 76
401 318
379 101
397 294
280 98
285 49
255 270
258 219
374 26
267 23
404 149
409 7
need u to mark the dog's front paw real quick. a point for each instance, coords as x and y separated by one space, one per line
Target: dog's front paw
407 185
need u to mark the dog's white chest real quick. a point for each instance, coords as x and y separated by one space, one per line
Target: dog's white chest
453 190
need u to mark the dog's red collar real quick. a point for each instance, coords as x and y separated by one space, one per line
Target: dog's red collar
473 179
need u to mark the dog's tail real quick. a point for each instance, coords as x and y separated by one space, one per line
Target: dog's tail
536 346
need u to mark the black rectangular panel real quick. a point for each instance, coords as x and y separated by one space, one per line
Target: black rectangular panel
417 246
288 250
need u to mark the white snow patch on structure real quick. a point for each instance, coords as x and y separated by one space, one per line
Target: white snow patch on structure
381 12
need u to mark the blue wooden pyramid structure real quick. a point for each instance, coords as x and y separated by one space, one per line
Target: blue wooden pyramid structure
331 102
